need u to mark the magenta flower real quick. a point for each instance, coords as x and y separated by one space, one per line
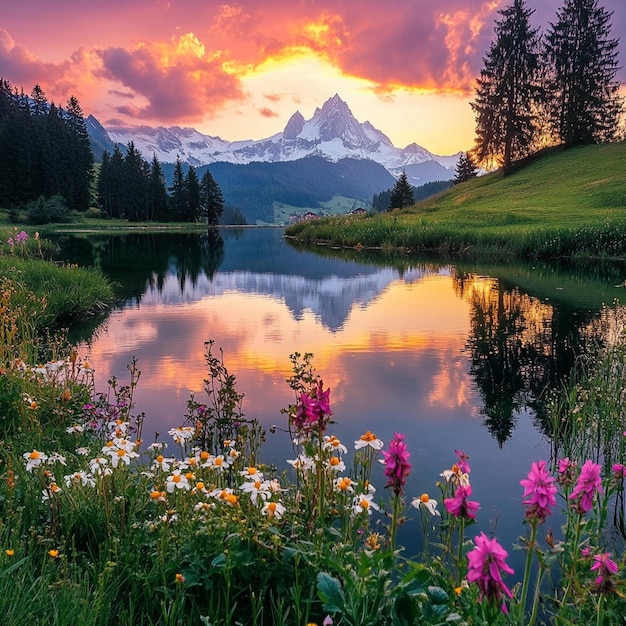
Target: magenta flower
313 410
463 464
485 567
397 466
589 483
606 568
539 492
567 469
459 505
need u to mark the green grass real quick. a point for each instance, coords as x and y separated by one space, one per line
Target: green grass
559 203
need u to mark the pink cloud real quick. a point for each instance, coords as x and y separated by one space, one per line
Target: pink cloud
265 112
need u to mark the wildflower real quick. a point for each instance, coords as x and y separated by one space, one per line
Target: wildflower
589 483
252 472
98 466
334 445
162 463
459 505
53 554
463 464
52 490
77 428
273 510
364 503
455 475
397 466
9 552
257 489
85 479
485 564
157 495
176 481
55 457
219 463
566 469
180 578
344 484
372 542
302 462
181 434
368 439
328 621
539 492
606 568
424 501
335 464
34 459
227 496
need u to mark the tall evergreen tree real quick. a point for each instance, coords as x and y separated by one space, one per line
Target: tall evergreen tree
401 194
211 199
177 191
465 168
81 162
192 196
135 184
508 91
584 105
158 200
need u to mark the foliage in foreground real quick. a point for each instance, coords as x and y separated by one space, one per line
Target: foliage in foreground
99 527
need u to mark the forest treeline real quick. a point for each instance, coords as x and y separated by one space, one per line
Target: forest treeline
47 168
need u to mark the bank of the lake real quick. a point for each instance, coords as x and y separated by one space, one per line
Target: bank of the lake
560 203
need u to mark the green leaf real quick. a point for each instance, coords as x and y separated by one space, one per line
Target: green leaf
405 611
437 595
330 592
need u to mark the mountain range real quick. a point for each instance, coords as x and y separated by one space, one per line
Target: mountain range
356 159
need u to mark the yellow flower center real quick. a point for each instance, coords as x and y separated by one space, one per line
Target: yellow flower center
231 499
200 485
424 498
368 436
34 455
121 452
257 484
204 455
334 461
251 471
159 459
176 478
10 552
219 461
364 504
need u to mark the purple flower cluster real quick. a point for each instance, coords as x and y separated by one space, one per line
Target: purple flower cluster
397 466
539 492
589 484
313 411
485 566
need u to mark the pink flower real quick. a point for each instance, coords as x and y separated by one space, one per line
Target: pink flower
539 492
589 483
397 466
463 464
313 411
566 471
619 471
459 505
606 567
485 564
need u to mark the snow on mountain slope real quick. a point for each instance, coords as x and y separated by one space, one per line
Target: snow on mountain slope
333 133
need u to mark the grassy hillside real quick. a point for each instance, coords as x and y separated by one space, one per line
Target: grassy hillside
559 203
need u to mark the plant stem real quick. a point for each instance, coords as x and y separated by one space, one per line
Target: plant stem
528 567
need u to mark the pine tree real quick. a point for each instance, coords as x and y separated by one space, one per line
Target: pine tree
211 199
158 200
465 168
508 90
177 191
135 182
78 195
401 194
192 196
584 105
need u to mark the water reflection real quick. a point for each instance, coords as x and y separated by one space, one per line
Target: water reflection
487 341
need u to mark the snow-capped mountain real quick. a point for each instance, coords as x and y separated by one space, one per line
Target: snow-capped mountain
333 133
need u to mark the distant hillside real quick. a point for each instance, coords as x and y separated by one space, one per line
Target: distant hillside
253 188
559 203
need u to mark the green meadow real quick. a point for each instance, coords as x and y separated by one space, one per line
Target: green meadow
560 203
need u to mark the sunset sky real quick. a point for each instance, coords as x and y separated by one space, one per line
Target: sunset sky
239 70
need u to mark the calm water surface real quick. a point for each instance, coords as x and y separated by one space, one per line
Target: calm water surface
456 357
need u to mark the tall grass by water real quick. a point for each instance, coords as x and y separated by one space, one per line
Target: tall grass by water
562 203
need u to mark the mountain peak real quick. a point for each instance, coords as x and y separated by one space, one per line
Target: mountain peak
294 126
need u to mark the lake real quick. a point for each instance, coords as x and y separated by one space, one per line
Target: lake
456 356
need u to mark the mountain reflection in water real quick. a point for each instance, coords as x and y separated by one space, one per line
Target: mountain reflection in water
454 355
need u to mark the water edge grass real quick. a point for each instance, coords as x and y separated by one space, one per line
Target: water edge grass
560 203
